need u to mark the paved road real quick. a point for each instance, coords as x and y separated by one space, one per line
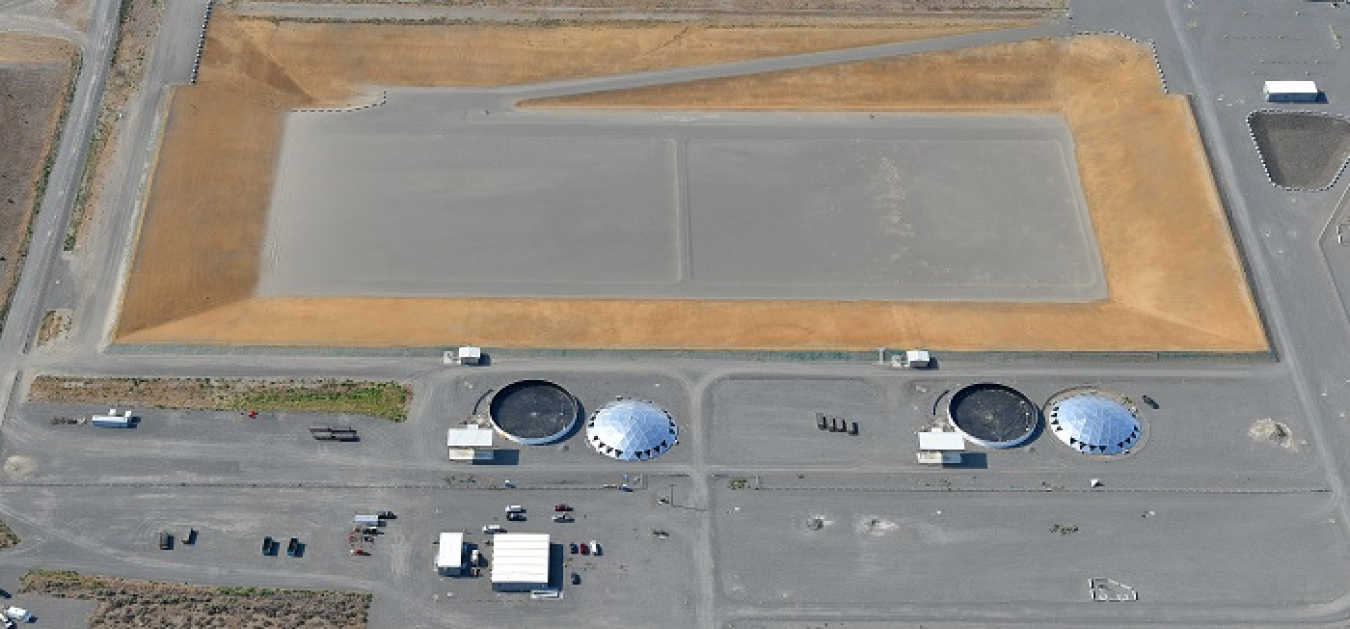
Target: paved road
1281 233
48 230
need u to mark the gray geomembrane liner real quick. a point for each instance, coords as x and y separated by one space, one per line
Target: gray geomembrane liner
423 197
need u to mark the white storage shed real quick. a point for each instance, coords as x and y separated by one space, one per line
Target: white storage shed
469 443
470 355
940 448
912 359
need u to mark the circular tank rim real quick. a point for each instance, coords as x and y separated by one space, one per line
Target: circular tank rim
533 441
1011 443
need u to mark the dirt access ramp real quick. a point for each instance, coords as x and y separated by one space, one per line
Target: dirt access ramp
36 76
200 240
1173 274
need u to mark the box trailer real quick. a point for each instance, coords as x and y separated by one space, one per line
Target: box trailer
1291 91
450 554
112 420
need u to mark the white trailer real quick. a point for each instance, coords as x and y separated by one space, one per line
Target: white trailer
450 554
1292 92
113 419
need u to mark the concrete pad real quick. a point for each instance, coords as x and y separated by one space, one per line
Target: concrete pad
861 548
433 196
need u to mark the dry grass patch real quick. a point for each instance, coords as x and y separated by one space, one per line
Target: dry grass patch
386 400
1172 270
55 326
136 603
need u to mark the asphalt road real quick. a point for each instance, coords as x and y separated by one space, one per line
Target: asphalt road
1195 462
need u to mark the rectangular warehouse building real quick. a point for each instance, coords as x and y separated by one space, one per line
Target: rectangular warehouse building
450 554
520 561
1292 92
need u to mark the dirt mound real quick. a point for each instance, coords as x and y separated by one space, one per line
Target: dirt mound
1274 432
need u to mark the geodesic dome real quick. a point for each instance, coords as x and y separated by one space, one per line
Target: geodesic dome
1093 422
631 430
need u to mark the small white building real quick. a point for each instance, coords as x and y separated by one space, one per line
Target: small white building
450 555
912 359
469 355
1292 92
940 448
469 443
520 561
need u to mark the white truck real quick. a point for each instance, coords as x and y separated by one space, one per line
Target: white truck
368 520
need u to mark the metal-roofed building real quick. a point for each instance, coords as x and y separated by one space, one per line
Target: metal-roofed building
631 430
520 561
1093 421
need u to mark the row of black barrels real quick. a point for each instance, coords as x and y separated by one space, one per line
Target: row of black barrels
836 424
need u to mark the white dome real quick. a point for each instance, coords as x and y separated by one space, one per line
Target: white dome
631 430
1093 423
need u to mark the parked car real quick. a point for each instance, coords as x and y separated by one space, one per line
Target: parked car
515 509
293 547
515 517
562 507
595 547
493 528
576 579
269 546
386 515
165 540
572 547
563 517
585 550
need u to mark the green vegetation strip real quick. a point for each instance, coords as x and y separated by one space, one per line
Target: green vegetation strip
135 603
386 400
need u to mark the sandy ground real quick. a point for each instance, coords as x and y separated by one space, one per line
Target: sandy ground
1172 271
34 74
